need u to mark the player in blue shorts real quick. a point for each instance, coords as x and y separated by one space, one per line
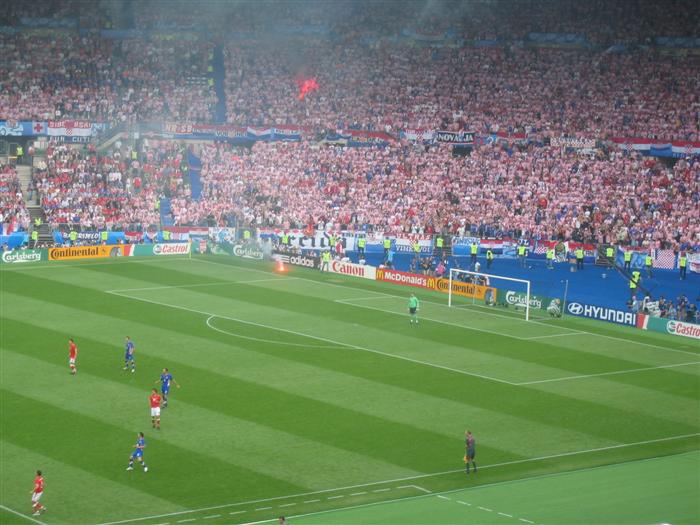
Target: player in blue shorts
137 454
129 355
165 379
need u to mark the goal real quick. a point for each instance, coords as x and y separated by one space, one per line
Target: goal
514 297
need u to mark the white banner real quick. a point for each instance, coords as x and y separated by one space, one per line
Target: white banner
356 270
694 262
69 128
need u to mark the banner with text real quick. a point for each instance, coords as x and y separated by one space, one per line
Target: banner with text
356 270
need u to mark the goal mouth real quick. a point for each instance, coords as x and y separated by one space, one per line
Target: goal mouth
508 296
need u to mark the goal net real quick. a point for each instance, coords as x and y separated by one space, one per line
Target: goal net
517 297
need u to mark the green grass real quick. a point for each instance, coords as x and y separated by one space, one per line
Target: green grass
661 490
306 392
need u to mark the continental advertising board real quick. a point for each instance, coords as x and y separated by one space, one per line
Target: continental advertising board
471 290
89 252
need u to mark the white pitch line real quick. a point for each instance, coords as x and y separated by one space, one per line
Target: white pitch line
527 339
431 319
287 505
356 494
258 339
187 520
335 497
443 497
504 514
552 335
495 465
339 343
237 512
29 518
464 503
485 508
606 373
493 314
211 517
411 498
121 260
263 508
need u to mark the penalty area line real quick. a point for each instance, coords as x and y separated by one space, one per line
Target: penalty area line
340 344
493 314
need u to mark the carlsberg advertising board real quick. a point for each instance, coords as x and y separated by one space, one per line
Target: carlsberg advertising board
518 299
23 256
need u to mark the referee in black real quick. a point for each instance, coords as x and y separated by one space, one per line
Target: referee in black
470 452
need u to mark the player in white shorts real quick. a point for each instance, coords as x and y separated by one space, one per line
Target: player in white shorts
155 400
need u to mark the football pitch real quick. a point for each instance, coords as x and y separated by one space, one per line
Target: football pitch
304 394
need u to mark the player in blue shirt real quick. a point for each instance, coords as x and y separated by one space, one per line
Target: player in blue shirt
165 379
129 355
137 454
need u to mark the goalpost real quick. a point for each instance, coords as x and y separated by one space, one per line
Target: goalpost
467 288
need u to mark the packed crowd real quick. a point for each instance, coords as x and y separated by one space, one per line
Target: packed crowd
547 92
71 77
381 84
120 190
13 212
531 192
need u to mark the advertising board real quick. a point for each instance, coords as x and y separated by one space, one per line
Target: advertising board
296 260
677 328
171 248
89 252
248 251
471 290
601 313
405 278
23 256
356 270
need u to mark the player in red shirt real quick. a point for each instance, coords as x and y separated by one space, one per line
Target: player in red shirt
72 355
37 507
155 408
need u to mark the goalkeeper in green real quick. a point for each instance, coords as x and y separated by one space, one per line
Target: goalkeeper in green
413 308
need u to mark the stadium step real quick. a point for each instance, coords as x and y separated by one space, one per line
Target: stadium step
194 168
166 215
218 76
24 174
